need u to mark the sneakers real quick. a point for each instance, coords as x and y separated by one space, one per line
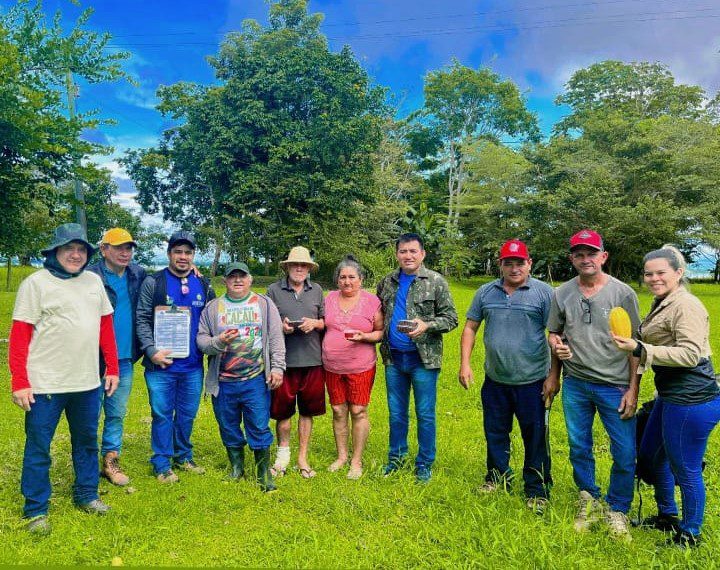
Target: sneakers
665 523
95 507
423 474
618 524
394 464
39 525
684 539
588 512
112 471
191 467
168 477
537 505
488 487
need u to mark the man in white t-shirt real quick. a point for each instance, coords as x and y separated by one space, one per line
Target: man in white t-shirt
62 316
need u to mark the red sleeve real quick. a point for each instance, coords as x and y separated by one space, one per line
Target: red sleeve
108 346
20 337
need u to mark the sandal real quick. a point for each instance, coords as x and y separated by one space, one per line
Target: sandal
277 471
336 465
307 472
354 473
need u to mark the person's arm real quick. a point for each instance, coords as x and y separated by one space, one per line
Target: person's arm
144 325
467 343
276 342
18 351
445 318
108 348
628 404
206 342
377 333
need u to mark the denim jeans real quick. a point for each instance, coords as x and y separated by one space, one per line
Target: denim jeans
407 371
174 402
81 411
246 402
581 400
115 408
674 443
500 402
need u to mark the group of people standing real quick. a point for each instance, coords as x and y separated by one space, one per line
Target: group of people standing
270 354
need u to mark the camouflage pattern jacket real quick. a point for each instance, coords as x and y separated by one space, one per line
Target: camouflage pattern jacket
429 300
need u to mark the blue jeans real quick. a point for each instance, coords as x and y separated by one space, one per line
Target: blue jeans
81 410
500 402
674 443
174 402
581 400
407 371
246 402
115 408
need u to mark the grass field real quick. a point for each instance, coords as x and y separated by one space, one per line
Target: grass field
330 521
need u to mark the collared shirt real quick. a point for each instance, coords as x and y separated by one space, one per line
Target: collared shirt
516 348
301 349
123 316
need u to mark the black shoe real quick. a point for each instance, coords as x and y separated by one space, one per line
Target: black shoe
237 461
665 523
684 539
262 466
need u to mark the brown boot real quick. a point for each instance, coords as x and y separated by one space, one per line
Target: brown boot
111 469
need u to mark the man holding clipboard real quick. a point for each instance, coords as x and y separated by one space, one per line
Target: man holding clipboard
168 315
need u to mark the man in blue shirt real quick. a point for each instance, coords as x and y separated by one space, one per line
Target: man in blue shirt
174 384
518 380
122 280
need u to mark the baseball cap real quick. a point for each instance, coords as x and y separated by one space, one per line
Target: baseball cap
514 248
239 266
117 236
181 236
587 238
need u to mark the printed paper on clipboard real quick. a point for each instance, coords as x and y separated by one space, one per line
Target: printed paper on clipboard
172 330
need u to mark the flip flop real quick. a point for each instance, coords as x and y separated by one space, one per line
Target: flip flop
277 471
307 472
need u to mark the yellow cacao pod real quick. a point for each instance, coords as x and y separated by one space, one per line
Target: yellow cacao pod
620 324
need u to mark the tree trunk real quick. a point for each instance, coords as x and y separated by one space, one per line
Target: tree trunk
216 259
7 277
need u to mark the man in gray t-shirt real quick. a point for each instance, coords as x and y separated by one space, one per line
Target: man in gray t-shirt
515 310
596 377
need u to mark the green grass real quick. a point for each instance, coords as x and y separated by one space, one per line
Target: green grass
329 521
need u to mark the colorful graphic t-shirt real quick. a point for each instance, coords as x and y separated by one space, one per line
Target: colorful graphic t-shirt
243 360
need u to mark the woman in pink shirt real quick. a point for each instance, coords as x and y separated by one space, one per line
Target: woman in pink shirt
353 325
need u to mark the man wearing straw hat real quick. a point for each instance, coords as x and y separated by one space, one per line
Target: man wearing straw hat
301 306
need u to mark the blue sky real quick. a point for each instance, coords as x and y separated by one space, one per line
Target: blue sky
536 43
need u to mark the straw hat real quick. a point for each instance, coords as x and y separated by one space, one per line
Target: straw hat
299 254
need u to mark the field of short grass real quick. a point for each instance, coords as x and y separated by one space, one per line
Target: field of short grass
330 521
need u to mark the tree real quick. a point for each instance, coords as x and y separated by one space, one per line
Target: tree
281 150
463 105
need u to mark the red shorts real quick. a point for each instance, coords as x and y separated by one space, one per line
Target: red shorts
304 385
350 388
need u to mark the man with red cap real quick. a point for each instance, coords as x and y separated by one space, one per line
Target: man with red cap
596 378
515 309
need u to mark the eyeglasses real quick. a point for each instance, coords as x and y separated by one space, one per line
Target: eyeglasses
184 287
587 311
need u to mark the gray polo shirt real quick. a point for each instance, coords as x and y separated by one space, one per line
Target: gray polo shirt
595 356
516 348
300 349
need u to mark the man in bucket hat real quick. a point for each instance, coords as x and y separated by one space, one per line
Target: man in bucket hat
301 306
66 313
241 333
515 309
597 378
174 384
122 279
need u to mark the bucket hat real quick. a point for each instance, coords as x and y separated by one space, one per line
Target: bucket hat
66 233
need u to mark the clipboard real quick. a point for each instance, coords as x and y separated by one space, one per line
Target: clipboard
172 330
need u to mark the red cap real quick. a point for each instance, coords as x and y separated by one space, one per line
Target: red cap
514 248
588 238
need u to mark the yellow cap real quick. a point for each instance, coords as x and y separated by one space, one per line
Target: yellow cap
117 236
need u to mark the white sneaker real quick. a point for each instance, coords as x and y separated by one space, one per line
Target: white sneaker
618 524
588 512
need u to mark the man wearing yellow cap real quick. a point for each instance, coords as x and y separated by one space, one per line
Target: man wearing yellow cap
122 280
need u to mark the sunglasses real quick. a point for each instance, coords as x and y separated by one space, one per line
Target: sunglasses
184 287
587 311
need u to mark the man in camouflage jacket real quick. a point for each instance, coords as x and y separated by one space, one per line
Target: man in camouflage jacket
413 358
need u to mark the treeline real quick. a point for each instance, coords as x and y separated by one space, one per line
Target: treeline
293 143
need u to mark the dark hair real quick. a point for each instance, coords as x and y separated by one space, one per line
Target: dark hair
674 257
408 237
348 261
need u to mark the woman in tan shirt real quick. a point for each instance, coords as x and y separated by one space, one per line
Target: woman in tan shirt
674 342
